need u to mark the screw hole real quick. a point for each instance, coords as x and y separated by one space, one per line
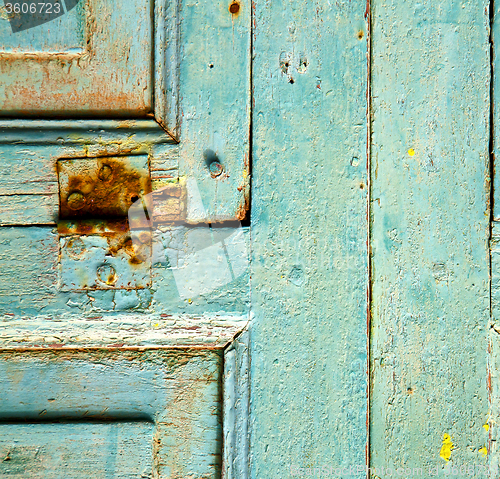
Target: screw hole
292 81
105 172
134 198
211 65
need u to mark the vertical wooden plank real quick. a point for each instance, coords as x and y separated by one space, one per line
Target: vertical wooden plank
189 432
214 83
235 409
495 104
494 346
309 231
430 212
166 71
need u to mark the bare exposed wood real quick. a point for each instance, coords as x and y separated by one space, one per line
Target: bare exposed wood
210 331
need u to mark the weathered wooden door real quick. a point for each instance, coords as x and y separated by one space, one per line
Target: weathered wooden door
124 138
371 182
368 337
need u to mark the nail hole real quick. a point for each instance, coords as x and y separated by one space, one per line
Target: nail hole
134 198
292 81
361 34
234 8
105 172
211 65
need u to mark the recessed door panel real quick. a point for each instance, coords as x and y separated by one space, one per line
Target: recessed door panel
116 414
88 67
76 450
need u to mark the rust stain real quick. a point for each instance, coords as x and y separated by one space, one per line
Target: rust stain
241 211
93 99
234 8
117 235
99 187
92 227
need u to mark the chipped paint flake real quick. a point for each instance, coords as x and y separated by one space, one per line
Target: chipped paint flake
484 451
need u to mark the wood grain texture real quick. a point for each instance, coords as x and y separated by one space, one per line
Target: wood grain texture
494 349
308 340
35 311
235 408
495 105
121 331
166 74
111 77
163 404
214 92
29 150
430 227
122 450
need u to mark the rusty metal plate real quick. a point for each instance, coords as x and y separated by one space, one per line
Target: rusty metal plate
110 260
102 187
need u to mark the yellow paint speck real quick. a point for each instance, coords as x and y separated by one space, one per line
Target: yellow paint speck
411 152
486 427
484 451
446 448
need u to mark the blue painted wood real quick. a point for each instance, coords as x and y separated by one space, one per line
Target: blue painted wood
493 347
155 410
29 150
235 408
214 93
77 81
308 340
430 228
198 287
53 450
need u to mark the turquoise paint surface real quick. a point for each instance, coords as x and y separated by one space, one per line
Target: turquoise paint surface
145 411
429 234
63 34
308 342
308 339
